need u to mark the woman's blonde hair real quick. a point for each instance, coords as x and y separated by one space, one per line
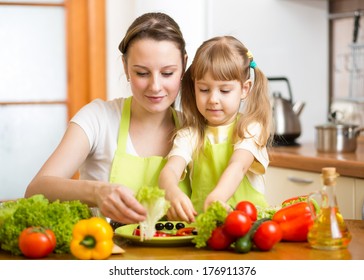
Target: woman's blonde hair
227 59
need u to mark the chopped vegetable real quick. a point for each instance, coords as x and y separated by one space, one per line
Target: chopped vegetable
60 217
152 198
206 222
92 239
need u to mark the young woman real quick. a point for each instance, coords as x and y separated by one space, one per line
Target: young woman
227 119
120 145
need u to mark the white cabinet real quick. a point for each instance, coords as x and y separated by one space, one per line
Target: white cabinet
359 199
282 183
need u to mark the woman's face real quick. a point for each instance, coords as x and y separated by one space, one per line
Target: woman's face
154 69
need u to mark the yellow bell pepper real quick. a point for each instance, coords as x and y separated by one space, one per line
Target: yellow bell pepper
92 239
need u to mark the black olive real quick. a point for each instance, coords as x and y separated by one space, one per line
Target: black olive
180 225
169 225
194 231
159 226
115 224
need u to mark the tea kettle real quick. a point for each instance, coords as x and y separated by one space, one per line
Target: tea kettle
287 126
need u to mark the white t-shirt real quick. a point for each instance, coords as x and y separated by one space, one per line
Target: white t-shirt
186 141
100 120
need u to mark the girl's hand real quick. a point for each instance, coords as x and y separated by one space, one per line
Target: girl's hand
181 206
119 204
210 199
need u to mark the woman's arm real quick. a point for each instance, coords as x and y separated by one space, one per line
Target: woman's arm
181 205
54 180
232 176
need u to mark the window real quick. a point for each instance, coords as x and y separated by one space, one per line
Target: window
52 57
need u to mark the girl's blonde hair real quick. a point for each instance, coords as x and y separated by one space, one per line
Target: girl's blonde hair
227 59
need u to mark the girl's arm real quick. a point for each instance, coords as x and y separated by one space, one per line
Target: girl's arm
181 205
54 180
232 176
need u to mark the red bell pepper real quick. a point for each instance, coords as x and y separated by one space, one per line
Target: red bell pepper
295 221
301 198
294 200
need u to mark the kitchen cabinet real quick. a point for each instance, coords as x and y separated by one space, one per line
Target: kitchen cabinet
359 198
283 183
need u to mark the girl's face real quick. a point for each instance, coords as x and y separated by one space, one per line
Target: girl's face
154 69
219 101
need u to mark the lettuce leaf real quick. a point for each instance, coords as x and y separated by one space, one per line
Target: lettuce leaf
206 222
152 198
38 211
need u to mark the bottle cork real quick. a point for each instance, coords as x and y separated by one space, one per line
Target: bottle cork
329 176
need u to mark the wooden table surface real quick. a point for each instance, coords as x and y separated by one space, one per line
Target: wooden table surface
306 158
282 251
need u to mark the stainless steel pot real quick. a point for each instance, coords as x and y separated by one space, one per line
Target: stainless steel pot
337 138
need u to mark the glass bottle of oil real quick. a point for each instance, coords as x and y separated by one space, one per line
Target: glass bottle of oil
329 231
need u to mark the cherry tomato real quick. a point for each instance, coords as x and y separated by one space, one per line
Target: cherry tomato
37 242
248 208
219 239
267 235
237 223
185 231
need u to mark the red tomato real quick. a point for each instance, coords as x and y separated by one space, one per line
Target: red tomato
37 242
219 239
237 223
248 208
267 235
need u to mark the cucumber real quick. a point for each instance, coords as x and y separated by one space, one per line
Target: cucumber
244 244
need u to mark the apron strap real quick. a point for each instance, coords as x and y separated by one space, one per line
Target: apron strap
124 124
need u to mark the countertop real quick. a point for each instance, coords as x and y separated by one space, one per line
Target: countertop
306 158
281 251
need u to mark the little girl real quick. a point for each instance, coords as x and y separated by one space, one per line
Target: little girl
227 125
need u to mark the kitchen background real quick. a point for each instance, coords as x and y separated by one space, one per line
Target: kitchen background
289 38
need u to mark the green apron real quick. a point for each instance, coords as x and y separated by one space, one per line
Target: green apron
133 171
207 170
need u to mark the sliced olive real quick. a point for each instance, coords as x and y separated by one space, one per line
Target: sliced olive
169 225
180 225
159 226
194 232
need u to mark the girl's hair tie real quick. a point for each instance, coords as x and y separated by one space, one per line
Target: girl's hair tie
252 64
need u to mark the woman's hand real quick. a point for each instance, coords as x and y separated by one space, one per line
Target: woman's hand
181 206
119 204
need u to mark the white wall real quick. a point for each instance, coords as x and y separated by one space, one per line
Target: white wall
287 37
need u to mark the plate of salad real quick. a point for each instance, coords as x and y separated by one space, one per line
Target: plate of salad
166 234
